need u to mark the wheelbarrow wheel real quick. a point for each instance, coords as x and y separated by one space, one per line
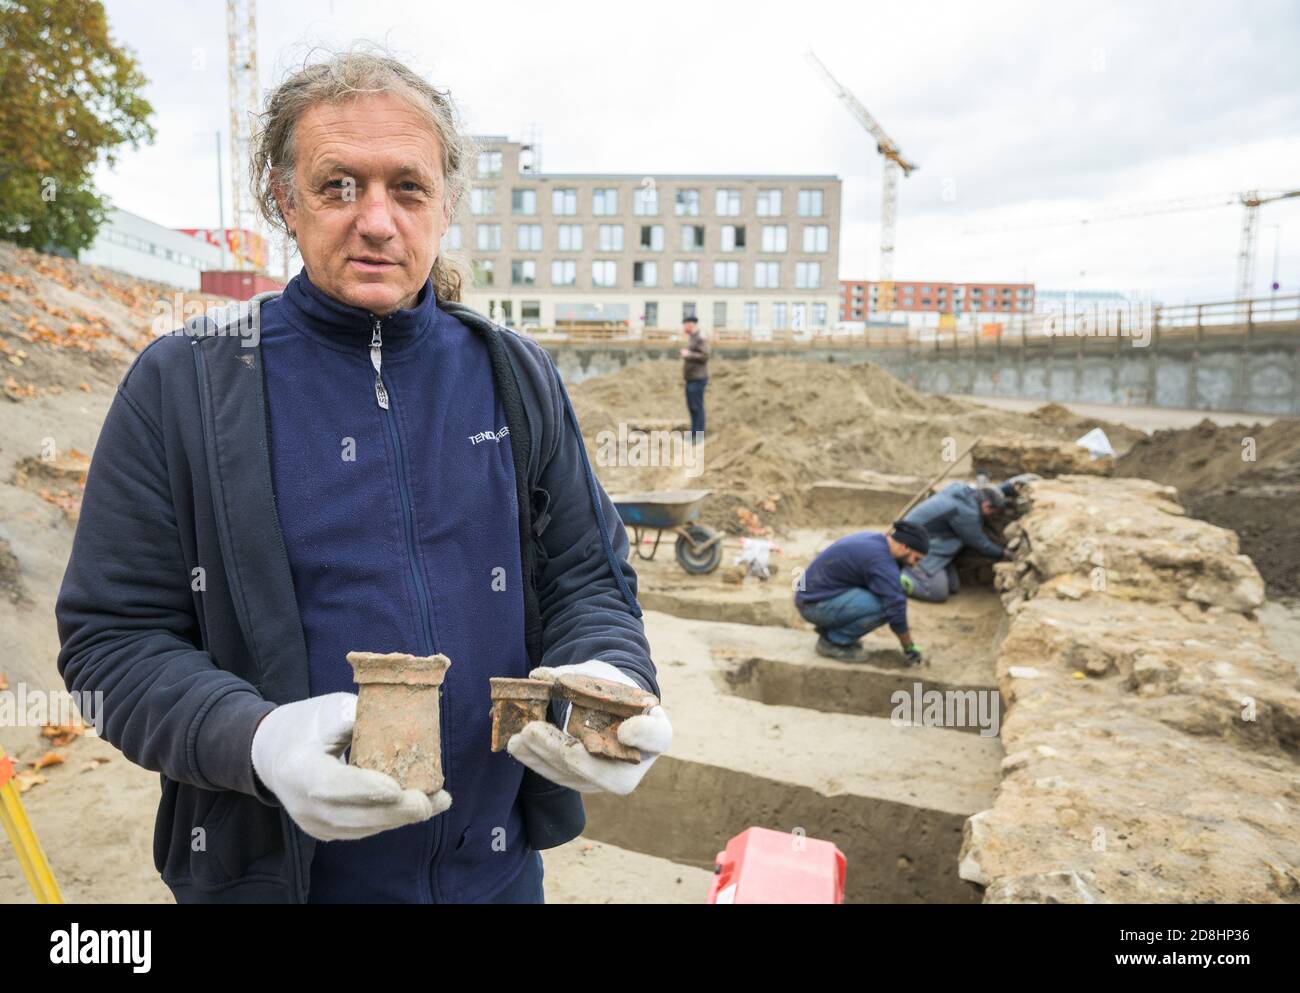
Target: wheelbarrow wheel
704 560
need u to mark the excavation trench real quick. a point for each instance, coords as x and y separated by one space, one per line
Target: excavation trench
768 733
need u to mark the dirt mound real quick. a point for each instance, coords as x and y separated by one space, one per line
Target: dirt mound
778 424
67 326
1121 436
1244 478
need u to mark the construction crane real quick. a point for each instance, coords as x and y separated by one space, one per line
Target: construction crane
241 33
1251 200
894 165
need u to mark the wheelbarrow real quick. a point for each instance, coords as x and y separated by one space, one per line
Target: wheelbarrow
699 548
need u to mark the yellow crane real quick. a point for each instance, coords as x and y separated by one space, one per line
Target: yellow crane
895 164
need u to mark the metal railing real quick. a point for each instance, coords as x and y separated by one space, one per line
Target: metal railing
1230 319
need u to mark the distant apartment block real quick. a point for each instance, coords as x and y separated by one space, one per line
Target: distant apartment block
574 250
860 299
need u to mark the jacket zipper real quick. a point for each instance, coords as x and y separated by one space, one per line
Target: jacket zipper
421 591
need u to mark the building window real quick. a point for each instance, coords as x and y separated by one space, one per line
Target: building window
482 200
816 238
489 165
810 203
645 273
484 272
692 237
528 238
688 309
604 202
523 273
530 312
645 201
523 202
726 275
769 203
733 237
767 275
610 238
487 237
779 320
652 237
775 237
451 240
751 316
688 203
569 237
652 314
604 272
686 274
727 203
798 314
819 315
807 275
564 202
564 272
720 311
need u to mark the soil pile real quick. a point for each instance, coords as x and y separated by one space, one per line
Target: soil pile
1243 478
776 425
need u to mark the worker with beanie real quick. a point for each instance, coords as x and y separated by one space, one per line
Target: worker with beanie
854 587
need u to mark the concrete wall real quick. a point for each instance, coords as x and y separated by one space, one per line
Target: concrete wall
1259 374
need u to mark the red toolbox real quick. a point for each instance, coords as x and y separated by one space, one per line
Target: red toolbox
762 866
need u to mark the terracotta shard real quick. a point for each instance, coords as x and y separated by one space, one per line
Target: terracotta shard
398 729
599 708
516 702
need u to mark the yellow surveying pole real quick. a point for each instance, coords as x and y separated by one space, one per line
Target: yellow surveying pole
19 829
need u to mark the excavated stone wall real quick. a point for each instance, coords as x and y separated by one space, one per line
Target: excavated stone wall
1152 734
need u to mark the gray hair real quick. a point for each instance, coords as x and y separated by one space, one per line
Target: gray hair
341 76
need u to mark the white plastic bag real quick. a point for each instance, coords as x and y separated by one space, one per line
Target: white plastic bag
1097 443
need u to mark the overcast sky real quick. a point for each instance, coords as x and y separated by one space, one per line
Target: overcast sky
1015 112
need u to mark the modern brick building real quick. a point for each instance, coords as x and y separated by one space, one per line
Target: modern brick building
573 250
860 299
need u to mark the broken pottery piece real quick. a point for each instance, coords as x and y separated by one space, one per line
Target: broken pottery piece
398 728
599 708
516 702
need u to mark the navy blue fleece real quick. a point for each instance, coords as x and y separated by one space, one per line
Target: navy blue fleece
401 531
859 560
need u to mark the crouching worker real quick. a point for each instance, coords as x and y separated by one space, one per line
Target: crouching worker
954 519
854 586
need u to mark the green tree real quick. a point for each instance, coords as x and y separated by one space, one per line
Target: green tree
68 96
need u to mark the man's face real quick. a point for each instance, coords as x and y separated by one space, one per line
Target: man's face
902 554
688 329
371 205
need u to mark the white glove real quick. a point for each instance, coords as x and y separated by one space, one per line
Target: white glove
560 757
298 753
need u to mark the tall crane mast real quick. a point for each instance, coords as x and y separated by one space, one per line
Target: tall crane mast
895 164
241 33
1252 200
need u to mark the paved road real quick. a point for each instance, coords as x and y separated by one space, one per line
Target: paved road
1141 418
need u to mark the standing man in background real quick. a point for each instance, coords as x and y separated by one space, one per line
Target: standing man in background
695 370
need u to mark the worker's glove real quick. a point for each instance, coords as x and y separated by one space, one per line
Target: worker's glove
298 753
561 758
912 654
1023 478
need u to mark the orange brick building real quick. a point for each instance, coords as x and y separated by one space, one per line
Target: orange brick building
859 299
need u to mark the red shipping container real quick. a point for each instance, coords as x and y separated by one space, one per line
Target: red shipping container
240 284
762 866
